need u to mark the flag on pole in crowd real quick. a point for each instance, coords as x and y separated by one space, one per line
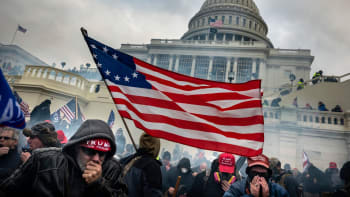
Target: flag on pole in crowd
200 113
10 112
24 106
306 161
56 117
69 112
21 29
111 119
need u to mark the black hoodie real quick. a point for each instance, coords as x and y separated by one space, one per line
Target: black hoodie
186 178
53 172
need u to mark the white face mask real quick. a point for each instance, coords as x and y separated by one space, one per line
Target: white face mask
184 170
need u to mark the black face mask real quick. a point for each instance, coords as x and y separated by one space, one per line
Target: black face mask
252 174
226 176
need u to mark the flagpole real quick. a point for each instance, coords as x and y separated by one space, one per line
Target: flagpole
76 108
84 32
14 36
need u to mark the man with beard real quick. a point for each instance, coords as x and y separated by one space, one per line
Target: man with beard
215 182
258 181
84 167
182 169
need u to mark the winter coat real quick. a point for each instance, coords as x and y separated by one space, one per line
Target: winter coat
9 163
144 177
186 179
205 186
55 172
239 189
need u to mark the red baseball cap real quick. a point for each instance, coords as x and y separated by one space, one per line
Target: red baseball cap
61 137
260 160
98 144
332 165
226 163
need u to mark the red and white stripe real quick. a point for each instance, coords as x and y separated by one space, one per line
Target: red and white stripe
25 108
200 113
67 113
306 161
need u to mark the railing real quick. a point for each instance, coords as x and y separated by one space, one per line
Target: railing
59 79
210 42
290 52
321 79
308 118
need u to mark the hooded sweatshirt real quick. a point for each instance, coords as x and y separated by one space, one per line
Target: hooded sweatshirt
55 172
186 178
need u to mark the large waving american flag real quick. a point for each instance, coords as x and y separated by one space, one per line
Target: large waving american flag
200 113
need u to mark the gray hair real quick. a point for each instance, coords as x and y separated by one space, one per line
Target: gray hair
15 132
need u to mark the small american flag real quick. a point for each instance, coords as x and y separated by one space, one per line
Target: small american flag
111 119
23 105
215 23
200 113
69 111
21 29
306 161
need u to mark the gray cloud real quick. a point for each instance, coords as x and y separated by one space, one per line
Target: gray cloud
53 26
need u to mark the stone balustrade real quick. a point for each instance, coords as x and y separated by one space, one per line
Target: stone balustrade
58 79
209 42
308 118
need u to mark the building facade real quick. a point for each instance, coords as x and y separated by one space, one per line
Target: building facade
233 49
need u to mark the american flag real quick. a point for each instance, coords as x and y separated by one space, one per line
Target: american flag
200 113
21 29
23 105
69 111
306 161
215 23
111 119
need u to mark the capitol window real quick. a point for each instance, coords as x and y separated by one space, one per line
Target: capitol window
237 20
202 66
223 19
185 64
219 69
163 61
244 69
244 22
230 20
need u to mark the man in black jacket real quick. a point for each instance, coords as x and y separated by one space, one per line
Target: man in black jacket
9 157
215 182
84 167
141 171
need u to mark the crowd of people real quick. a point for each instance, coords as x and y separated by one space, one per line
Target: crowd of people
95 162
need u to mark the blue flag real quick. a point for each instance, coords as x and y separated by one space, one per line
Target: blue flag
55 117
10 112
111 119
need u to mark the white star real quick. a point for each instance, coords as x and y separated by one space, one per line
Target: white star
99 65
115 56
105 49
126 78
95 56
116 78
134 75
107 72
93 46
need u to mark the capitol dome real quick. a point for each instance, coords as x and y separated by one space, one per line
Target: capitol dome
239 20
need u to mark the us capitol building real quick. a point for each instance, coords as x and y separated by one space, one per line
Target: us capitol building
237 51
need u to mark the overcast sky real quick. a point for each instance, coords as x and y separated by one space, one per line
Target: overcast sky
53 26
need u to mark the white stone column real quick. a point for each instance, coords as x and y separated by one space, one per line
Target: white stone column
235 69
155 60
254 66
228 64
262 72
210 69
215 37
193 65
224 38
149 59
177 60
171 59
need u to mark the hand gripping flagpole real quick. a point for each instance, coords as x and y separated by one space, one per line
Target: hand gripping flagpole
85 34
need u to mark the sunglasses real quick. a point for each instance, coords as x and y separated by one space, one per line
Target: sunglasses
5 138
91 152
